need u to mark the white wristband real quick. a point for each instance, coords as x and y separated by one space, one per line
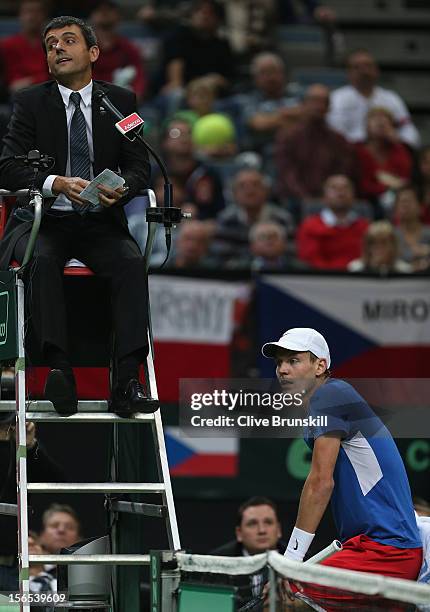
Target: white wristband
299 544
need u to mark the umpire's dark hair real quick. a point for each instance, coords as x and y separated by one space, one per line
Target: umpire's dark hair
257 500
66 20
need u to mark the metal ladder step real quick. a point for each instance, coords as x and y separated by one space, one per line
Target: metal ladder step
46 406
89 417
89 411
96 487
90 559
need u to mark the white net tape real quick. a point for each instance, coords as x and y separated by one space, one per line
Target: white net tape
357 582
212 564
349 580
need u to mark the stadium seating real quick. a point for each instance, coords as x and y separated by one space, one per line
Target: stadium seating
383 12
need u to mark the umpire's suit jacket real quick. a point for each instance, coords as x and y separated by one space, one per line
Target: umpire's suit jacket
39 122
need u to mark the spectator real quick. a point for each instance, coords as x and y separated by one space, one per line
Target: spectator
40 580
331 239
40 468
380 251
197 50
22 56
269 106
248 25
384 162
201 95
258 529
60 528
413 236
120 61
422 181
192 246
312 10
250 195
268 250
312 139
351 103
201 184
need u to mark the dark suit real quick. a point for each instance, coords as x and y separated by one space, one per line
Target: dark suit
248 586
101 240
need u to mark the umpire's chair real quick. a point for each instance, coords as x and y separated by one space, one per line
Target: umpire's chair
94 387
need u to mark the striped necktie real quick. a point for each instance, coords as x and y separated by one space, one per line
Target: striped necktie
79 149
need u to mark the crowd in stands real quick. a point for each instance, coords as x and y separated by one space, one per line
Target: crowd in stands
276 177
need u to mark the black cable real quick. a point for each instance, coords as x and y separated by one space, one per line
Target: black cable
168 246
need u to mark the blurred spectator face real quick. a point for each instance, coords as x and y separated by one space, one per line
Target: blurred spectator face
425 163
382 250
380 124
249 190
259 530
268 240
362 70
105 16
205 18
192 243
32 17
59 531
269 75
407 207
338 193
200 97
316 102
178 138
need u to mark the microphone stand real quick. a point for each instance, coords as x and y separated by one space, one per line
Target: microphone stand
35 160
167 215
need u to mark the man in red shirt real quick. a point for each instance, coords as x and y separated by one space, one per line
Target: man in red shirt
120 61
22 58
332 238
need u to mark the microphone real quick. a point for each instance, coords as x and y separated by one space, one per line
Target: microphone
129 126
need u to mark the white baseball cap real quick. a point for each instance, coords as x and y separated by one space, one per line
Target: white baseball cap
300 339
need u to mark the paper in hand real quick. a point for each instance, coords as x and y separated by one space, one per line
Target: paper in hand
107 178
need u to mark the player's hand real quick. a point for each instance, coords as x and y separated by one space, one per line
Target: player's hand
287 592
30 430
109 197
71 186
30 434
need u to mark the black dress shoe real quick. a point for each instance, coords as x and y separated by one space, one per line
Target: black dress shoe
60 389
128 400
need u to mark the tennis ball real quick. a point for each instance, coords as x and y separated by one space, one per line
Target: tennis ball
213 130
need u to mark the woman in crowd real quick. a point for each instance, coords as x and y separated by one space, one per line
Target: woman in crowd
413 235
385 163
380 251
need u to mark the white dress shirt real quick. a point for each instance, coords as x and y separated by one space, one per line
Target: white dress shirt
349 108
62 202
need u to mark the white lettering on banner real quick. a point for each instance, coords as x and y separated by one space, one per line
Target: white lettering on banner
389 312
194 310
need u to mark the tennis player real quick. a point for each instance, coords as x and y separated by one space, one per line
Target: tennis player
355 465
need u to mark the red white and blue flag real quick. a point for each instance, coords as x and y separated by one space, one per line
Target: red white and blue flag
193 324
374 328
201 457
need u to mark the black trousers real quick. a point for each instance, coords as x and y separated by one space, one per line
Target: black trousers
107 248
